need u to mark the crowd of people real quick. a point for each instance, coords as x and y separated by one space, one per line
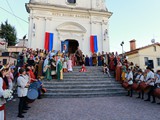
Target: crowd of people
133 78
34 65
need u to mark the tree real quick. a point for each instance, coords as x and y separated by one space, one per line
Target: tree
8 33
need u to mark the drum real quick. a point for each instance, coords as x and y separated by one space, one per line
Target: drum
135 86
125 85
43 90
157 92
35 85
144 87
32 95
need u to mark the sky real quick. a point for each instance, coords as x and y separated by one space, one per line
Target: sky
131 19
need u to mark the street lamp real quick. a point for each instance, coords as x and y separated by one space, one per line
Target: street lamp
122 43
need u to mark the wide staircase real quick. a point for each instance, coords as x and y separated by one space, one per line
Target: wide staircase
92 83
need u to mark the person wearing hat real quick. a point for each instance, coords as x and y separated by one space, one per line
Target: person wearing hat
139 79
129 79
150 81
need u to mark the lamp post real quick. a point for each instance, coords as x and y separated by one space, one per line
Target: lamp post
122 43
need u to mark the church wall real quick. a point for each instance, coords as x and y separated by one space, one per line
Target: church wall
89 4
48 20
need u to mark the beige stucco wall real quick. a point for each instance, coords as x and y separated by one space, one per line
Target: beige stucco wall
149 52
15 49
9 59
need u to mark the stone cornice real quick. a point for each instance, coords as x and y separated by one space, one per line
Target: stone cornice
62 9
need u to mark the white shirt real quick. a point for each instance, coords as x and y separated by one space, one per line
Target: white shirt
1 87
158 81
2 100
139 78
21 82
128 77
150 75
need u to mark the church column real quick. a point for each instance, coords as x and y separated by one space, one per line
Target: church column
30 31
102 36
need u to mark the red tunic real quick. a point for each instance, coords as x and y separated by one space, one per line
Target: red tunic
3 106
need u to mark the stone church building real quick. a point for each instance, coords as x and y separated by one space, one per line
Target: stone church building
73 21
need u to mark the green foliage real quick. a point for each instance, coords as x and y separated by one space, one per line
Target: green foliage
8 32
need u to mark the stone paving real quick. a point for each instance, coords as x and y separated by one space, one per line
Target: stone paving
105 108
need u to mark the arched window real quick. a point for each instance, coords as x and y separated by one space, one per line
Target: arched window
71 1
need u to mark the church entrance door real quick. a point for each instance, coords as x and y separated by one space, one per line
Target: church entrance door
72 46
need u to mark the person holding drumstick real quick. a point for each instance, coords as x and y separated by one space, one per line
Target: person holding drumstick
129 79
139 79
22 92
150 81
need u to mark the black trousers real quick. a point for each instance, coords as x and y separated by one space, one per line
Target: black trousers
130 91
141 94
21 105
151 93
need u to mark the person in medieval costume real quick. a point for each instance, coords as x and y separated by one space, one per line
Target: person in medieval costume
94 58
47 69
118 71
99 59
59 70
53 66
86 60
69 65
73 58
40 67
90 61
2 100
79 56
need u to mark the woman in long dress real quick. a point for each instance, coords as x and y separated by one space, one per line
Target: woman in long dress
53 66
124 71
69 65
99 59
40 67
118 71
59 70
94 58
47 69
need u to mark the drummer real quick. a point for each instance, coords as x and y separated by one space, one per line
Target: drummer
139 79
157 82
150 79
22 93
129 79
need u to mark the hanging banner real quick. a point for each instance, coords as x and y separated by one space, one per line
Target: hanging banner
95 44
48 43
51 35
92 44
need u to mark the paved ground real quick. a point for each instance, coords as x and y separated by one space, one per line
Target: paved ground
107 108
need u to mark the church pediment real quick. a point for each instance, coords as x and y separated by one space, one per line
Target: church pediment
71 27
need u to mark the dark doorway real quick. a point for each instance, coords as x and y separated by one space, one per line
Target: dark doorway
72 46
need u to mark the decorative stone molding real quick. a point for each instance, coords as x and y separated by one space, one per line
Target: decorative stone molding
71 15
71 27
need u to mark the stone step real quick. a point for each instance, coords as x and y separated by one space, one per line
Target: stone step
76 90
92 83
80 82
79 95
69 86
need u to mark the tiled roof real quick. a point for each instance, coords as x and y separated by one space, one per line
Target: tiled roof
144 47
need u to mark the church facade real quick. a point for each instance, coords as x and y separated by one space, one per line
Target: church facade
75 22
